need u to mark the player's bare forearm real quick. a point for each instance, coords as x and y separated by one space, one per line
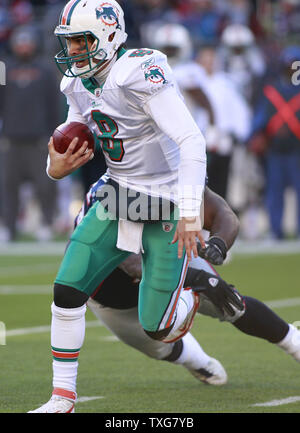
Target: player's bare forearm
219 218
63 164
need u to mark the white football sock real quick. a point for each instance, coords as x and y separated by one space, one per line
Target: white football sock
67 336
291 342
192 355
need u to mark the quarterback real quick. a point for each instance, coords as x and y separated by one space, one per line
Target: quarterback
130 100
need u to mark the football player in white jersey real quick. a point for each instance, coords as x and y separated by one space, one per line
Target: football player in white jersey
153 150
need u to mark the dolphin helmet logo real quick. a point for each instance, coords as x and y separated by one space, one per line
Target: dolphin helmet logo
108 14
155 74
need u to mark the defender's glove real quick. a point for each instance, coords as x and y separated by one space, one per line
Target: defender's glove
214 252
221 294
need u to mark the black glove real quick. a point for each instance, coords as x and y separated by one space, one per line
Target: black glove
221 294
214 252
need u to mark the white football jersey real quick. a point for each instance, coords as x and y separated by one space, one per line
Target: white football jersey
141 142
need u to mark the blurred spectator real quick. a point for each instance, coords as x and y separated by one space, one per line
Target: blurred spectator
12 14
22 12
287 19
204 21
49 21
239 11
132 20
232 119
5 26
276 136
174 40
242 59
29 109
151 14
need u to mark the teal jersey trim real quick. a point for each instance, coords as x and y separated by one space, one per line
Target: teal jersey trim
91 84
121 52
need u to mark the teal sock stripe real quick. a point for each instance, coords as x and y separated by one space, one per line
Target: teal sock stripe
65 355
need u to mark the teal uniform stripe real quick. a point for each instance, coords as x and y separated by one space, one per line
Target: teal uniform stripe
65 359
71 12
65 350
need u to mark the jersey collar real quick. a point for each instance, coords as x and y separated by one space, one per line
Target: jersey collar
91 84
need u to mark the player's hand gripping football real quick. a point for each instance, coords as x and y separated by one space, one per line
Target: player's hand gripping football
187 232
62 164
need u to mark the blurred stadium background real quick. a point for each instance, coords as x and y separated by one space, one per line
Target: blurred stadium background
36 216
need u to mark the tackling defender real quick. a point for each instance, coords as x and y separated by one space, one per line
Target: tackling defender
218 299
149 138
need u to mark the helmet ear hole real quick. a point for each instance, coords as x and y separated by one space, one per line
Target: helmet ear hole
111 37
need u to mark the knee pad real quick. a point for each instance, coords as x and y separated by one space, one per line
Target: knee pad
68 297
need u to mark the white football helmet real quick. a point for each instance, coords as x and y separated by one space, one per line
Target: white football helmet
174 40
237 35
103 20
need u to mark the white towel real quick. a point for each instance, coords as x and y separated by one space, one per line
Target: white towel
130 236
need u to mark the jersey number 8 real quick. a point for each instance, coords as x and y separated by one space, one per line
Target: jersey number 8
108 130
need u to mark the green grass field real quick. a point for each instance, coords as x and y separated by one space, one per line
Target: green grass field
124 380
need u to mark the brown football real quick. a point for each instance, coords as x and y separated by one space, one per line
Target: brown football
64 134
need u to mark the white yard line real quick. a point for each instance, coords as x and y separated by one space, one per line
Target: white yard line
33 248
32 269
26 331
46 289
84 399
278 303
41 329
26 289
272 403
282 303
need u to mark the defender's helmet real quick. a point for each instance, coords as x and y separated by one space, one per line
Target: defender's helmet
237 35
103 20
175 41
